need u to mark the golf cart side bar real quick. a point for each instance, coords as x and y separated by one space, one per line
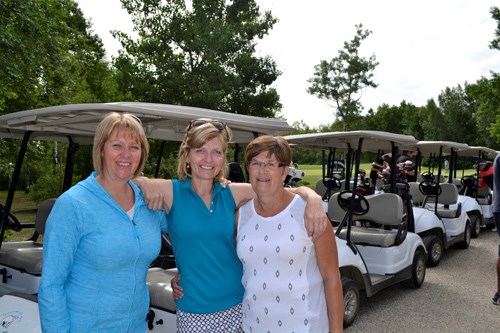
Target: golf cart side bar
70 164
13 184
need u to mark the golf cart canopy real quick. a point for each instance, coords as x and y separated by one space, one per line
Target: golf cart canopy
443 147
160 121
475 151
372 140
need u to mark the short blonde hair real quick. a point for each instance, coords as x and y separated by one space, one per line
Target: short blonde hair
276 146
197 136
121 122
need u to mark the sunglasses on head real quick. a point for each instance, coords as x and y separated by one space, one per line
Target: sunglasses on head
217 124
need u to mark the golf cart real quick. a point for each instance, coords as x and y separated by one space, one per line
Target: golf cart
21 261
482 216
376 244
449 223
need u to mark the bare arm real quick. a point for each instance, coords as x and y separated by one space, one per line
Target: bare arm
327 258
158 193
316 220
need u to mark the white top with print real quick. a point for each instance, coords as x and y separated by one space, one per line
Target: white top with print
283 285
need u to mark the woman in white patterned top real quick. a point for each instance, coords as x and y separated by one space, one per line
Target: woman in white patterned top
292 284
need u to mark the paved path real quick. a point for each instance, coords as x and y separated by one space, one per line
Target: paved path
455 297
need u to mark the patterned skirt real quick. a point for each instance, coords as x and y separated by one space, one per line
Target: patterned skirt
227 321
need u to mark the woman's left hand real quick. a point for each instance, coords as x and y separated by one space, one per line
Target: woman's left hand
315 217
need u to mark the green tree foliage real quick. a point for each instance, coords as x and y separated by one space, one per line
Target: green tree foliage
199 53
49 56
495 14
458 110
344 78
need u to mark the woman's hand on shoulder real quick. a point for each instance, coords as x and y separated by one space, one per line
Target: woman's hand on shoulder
157 192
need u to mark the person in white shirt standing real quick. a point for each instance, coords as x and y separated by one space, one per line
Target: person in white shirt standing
291 283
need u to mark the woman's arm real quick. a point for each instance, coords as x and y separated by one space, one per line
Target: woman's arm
316 219
157 192
327 258
61 238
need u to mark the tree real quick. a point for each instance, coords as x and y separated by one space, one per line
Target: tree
48 56
344 78
458 111
495 14
200 56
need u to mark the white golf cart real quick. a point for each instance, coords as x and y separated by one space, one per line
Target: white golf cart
467 185
448 224
375 242
21 261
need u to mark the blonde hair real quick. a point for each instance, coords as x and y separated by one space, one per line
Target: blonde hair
272 145
125 123
197 136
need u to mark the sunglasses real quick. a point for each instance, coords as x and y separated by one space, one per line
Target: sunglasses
217 124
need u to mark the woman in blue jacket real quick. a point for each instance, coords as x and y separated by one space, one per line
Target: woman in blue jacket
100 239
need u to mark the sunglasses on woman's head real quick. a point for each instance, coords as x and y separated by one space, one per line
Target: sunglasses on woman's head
217 124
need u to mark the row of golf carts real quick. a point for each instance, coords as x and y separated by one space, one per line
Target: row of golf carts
384 238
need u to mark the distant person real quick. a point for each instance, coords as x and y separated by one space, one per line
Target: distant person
100 240
406 166
495 208
486 174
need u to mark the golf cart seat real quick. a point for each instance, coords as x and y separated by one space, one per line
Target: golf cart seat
236 174
160 290
458 184
378 213
448 196
27 255
416 195
484 195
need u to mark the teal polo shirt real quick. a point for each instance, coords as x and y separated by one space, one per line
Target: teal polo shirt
203 240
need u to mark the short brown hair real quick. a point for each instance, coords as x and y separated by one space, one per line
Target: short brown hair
276 145
197 136
121 122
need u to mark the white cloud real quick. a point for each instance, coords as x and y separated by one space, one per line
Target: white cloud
422 47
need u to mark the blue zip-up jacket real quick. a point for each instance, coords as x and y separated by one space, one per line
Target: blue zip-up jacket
95 262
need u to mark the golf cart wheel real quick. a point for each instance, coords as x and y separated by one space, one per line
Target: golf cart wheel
435 249
467 235
475 225
417 270
351 301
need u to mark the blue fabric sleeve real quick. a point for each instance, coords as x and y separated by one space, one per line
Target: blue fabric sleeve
60 242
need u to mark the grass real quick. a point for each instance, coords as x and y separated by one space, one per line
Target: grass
314 172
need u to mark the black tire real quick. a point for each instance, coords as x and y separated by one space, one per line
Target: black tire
490 226
435 249
475 225
417 270
351 301
467 235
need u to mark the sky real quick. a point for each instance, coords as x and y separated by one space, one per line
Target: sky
422 47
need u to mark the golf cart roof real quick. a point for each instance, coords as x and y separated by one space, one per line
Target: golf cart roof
475 151
434 147
160 121
372 140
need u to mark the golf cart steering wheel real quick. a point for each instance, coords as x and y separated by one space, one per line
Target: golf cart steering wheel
360 205
469 181
430 187
427 176
12 222
332 183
